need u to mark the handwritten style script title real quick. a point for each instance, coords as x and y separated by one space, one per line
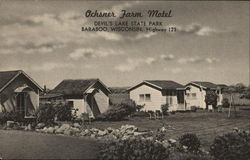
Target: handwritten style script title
126 14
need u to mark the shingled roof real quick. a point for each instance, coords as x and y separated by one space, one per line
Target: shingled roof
164 84
160 85
6 77
75 86
205 84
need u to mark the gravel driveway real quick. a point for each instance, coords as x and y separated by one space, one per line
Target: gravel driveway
31 145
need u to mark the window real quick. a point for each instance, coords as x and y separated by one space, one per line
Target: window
188 94
193 95
147 97
71 103
144 97
141 97
169 100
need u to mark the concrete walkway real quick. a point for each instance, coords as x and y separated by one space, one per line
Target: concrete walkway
32 145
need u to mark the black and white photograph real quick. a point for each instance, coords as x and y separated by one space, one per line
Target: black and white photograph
125 80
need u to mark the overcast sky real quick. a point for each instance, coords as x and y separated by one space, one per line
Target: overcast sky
44 39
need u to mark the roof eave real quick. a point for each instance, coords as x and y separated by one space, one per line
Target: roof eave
20 72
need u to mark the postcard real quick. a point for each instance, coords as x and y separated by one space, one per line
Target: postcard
124 79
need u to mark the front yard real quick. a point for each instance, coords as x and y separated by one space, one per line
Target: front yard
32 145
206 125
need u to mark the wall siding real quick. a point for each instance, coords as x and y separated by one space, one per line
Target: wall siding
199 101
7 100
156 97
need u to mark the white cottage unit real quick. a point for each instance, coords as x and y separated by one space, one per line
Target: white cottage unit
196 92
84 95
155 93
19 93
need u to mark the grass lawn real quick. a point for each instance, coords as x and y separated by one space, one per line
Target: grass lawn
206 125
32 145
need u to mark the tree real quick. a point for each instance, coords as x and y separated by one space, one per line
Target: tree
240 87
211 98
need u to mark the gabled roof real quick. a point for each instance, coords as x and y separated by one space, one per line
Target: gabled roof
75 86
160 85
6 77
118 89
50 95
204 84
222 86
165 84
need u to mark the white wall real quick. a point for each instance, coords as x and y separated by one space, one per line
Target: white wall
102 101
78 104
156 97
199 100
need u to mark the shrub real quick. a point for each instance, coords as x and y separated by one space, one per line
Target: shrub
231 146
139 107
211 98
225 103
188 156
193 108
164 109
46 114
191 141
160 136
140 114
10 116
134 148
245 95
119 111
64 112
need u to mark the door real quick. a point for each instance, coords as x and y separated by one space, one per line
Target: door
20 101
26 104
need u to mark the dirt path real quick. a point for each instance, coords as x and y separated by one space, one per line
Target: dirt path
31 145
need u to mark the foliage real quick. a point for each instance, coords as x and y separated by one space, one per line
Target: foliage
225 103
159 136
191 141
246 95
10 116
134 148
140 114
237 88
139 107
63 112
119 111
46 114
164 109
231 146
188 156
211 98
194 108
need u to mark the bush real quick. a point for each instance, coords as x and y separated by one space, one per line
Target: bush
191 141
10 116
188 156
164 109
211 98
46 114
140 114
225 103
134 148
193 108
64 112
231 146
139 107
119 111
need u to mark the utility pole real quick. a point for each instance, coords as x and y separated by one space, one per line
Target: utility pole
231 105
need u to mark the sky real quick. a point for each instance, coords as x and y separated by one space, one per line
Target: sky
44 39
